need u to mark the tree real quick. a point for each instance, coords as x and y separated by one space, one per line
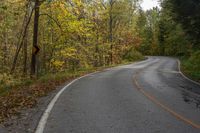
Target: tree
71 34
187 14
35 38
148 29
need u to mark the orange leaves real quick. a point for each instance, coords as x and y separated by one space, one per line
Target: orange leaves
24 97
11 103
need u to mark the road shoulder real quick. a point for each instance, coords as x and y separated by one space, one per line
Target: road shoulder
185 75
28 119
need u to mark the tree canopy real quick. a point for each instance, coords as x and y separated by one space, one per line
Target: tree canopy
77 34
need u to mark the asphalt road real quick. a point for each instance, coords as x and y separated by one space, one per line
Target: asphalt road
146 97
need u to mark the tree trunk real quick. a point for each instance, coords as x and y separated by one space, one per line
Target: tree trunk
111 30
25 54
35 39
21 39
5 48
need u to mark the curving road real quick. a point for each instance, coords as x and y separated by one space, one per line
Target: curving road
146 97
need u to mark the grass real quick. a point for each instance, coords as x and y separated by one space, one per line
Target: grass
191 66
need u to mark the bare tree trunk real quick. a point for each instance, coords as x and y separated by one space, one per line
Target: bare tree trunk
25 54
111 2
5 48
97 55
23 34
35 39
29 12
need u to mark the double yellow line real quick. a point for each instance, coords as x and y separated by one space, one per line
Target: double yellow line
163 106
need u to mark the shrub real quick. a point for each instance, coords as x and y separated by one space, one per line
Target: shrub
194 60
133 55
191 66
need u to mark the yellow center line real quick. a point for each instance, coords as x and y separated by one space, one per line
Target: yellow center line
172 112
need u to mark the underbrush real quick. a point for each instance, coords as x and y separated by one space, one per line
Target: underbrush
21 93
191 66
18 94
133 55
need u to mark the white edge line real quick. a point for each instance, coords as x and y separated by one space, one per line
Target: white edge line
44 117
179 67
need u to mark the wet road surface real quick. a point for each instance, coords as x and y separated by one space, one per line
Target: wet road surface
145 97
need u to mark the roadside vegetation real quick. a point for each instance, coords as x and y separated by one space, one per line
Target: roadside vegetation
19 94
191 66
76 37
173 30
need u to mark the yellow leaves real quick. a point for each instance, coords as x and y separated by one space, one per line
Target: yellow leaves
6 80
68 52
78 2
76 26
64 10
58 9
62 56
16 2
71 16
57 63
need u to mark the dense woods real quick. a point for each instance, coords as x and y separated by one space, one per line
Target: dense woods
70 34
173 30
77 35
73 37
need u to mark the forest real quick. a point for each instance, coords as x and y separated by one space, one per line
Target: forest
49 41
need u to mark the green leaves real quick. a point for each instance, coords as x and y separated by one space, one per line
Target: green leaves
72 34
187 14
